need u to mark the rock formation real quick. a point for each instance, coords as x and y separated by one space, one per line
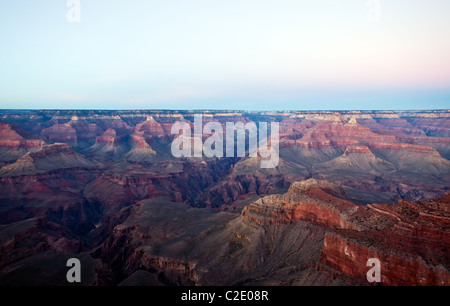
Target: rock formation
104 186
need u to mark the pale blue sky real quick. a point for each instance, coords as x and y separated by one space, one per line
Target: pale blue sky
225 54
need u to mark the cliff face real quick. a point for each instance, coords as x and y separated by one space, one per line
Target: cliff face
202 247
61 133
94 179
349 256
17 241
13 145
311 230
310 200
410 239
150 127
48 158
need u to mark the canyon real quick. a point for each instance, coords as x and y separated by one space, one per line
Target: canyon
104 187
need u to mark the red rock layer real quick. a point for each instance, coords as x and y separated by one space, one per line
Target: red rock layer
13 145
61 133
403 146
348 255
150 128
308 200
411 239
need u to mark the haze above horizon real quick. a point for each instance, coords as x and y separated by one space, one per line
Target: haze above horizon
238 54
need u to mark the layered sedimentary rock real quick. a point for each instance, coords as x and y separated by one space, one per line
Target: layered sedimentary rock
86 131
140 150
412 158
358 157
203 247
310 200
18 240
150 127
335 131
49 182
109 145
48 158
13 145
247 177
309 235
410 239
90 183
61 133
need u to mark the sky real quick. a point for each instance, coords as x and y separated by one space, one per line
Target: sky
225 54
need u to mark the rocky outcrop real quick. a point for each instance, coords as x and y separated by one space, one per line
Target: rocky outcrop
86 131
412 158
231 189
311 200
338 132
247 177
349 256
132 147
32 236
333 237
99 164
150 127
61 133
13 145
48 158
202 247
410 239
130 247
109 145
140 149
358 159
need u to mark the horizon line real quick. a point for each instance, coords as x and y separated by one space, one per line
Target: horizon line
221 110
